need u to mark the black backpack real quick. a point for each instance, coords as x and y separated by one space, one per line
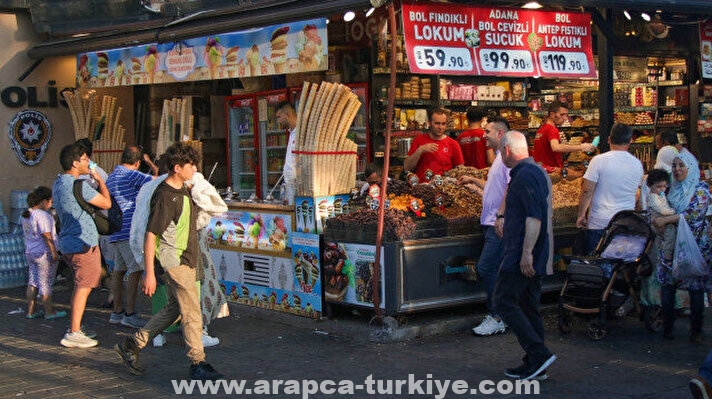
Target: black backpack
105 224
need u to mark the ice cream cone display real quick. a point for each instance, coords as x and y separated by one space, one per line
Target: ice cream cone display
278 46
327 159
213 56
99 124
102 67
151 63
83 73
176 124
253 60
233 63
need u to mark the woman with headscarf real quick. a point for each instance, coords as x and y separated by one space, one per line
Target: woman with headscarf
690 197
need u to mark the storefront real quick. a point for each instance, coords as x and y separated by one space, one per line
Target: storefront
233 95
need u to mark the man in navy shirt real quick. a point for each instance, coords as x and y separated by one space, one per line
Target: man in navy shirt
527 255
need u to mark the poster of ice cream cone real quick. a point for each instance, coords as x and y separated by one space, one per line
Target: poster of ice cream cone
277 49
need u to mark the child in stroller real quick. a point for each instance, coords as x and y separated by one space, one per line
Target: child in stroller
601 283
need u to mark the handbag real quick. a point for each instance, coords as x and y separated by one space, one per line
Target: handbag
688 260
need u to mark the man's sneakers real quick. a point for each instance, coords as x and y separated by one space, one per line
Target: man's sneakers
700 388
490 326
78 340
208 340
116 318
532 370
128 352
205 372
133 320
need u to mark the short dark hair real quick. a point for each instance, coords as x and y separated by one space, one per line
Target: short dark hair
131 155
180 154
372 168
285 106
556 105
500 120
69 154
441 111
87 145
621 134
656 176
475 114
669 137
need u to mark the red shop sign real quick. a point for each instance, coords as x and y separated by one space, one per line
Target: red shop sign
462 40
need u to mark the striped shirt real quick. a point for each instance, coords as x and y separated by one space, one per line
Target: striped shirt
124 184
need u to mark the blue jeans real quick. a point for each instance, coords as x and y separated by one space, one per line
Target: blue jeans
516 298
488 264
697 307
592 238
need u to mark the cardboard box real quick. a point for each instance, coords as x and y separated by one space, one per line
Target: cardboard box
311 213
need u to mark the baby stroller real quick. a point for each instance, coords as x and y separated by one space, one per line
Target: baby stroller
597 285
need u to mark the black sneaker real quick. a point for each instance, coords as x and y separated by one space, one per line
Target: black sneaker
516 372
699 388
537 367
128 351
205 372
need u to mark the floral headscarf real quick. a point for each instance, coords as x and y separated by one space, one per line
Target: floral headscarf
681 191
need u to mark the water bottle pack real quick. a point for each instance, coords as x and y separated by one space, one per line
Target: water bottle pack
13 264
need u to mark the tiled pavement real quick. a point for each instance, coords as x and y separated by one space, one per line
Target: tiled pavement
262 345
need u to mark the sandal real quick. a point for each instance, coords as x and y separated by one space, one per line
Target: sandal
35 315
57 315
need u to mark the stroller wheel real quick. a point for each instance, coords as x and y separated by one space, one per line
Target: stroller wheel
653 317
596 330
565 321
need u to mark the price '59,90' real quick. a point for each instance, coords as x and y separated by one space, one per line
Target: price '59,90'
498 60
563 62
443 58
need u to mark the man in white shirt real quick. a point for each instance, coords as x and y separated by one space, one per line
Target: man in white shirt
610 185
287 119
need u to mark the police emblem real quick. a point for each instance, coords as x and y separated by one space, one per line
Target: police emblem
29 133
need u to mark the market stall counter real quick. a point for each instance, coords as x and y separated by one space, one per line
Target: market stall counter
253 246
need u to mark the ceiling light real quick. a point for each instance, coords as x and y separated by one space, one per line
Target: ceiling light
350 15
627 15
370 11
645 16
81 34
532 5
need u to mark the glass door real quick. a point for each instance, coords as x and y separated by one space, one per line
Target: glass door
242 145
272 142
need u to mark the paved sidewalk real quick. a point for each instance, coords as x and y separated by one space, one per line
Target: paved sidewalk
262 345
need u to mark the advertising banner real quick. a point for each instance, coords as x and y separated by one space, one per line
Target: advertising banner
706 48
278 49
453 39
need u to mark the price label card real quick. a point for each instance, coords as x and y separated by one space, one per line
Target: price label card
500 60
556 62
443 58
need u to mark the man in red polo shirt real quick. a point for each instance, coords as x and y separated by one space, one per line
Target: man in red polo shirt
472 141
547 145
433 153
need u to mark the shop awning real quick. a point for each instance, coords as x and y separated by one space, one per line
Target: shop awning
199 24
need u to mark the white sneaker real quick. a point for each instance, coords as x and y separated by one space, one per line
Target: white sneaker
159 340
209 341
78 340
490 326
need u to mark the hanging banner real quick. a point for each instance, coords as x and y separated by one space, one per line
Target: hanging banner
460 40
706 49
278 49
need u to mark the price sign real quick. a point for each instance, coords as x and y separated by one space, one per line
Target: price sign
557 62
499 60
443 58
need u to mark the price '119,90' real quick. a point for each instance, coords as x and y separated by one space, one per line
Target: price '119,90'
556 62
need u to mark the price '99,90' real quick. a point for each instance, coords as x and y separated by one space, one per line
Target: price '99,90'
498 60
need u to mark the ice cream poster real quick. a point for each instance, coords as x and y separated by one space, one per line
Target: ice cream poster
277 49
256 230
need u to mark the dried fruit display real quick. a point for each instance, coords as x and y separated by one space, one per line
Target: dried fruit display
467 171
565 198
396 224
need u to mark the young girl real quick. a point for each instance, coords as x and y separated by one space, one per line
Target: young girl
41 252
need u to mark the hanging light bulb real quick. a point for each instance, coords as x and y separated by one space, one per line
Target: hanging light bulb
349 16
532 5
627 15
645 16
370 11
